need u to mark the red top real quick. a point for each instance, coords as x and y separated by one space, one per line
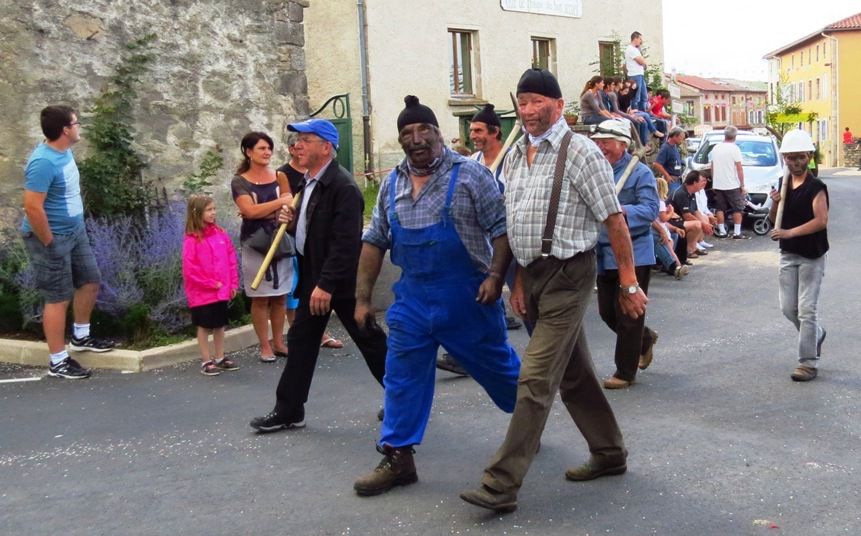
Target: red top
847 137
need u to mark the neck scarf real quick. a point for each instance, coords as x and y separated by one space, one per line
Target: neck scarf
424 171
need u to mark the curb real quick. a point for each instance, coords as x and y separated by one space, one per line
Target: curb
35 353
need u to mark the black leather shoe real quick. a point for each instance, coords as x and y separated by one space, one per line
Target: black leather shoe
273 421
447 363
491 499
512 323
592 470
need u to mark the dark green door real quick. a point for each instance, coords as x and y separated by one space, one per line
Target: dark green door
339 109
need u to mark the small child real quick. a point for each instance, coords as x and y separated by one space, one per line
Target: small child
209 271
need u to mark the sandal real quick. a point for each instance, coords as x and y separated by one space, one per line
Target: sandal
267 358
226 364
331 342
209 368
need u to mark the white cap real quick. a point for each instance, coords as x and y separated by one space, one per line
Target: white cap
614 129
797 141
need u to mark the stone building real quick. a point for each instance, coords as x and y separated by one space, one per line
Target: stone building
222 68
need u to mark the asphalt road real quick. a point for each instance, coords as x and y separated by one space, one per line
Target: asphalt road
721 441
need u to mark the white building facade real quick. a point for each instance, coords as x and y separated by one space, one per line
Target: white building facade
456 55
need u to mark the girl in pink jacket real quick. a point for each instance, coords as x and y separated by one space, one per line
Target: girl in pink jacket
209 271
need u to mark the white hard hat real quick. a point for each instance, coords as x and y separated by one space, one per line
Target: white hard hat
797 141
615 129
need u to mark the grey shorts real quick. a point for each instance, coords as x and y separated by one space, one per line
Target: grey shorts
67 263
729 200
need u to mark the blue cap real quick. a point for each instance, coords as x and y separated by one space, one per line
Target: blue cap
321 127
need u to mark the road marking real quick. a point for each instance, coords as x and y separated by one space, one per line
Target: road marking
18 380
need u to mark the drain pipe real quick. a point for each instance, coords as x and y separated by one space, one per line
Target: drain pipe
366 97
835 97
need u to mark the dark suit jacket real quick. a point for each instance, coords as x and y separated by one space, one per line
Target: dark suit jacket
334 221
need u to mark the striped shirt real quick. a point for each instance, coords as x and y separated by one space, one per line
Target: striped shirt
477 207
588 196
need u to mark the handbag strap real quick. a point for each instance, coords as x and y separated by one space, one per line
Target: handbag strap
555 193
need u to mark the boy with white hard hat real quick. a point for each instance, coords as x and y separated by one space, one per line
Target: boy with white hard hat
803 240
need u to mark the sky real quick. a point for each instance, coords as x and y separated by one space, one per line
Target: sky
728 38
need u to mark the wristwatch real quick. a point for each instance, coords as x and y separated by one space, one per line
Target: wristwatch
632 289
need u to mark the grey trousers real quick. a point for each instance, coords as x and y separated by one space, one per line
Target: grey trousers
557 359
800 280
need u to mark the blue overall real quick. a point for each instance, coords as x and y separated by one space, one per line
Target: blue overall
435 305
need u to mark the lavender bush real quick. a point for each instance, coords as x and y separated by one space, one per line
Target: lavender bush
141 266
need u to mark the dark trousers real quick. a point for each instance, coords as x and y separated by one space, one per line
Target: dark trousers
681 249
557 359
632 337
303 347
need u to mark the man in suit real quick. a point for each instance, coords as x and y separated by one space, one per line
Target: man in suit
328 229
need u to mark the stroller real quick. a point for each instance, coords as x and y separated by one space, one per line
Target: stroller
759 214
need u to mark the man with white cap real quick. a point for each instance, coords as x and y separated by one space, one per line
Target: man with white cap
803 239
639 199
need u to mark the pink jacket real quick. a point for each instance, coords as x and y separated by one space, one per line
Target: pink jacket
207 262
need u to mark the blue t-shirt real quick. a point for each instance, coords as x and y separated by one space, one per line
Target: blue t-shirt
56 174
670 158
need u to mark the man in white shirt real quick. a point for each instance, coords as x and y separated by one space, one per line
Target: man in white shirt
635 65
728 183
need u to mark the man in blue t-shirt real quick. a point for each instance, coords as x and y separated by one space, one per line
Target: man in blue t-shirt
57 242
669 159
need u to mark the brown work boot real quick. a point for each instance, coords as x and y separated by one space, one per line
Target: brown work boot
397 468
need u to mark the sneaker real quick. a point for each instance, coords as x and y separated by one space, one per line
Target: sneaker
68 369
227 364
706 245
740 236
681 271
209 368
719 234
447 363
90 344
273 421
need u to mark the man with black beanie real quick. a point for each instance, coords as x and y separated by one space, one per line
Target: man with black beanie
443 218
554 288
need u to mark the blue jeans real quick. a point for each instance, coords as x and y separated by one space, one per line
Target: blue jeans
663 255
800 279
641 101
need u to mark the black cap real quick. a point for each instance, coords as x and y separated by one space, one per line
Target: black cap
539 81
415 112
487 116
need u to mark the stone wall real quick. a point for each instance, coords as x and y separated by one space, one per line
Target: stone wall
222 68
852 154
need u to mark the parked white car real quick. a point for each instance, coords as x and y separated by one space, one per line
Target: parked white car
761 161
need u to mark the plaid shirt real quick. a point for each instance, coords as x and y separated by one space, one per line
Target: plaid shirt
476 208
588 196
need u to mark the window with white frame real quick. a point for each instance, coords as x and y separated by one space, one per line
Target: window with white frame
462 63
543 52
823 129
